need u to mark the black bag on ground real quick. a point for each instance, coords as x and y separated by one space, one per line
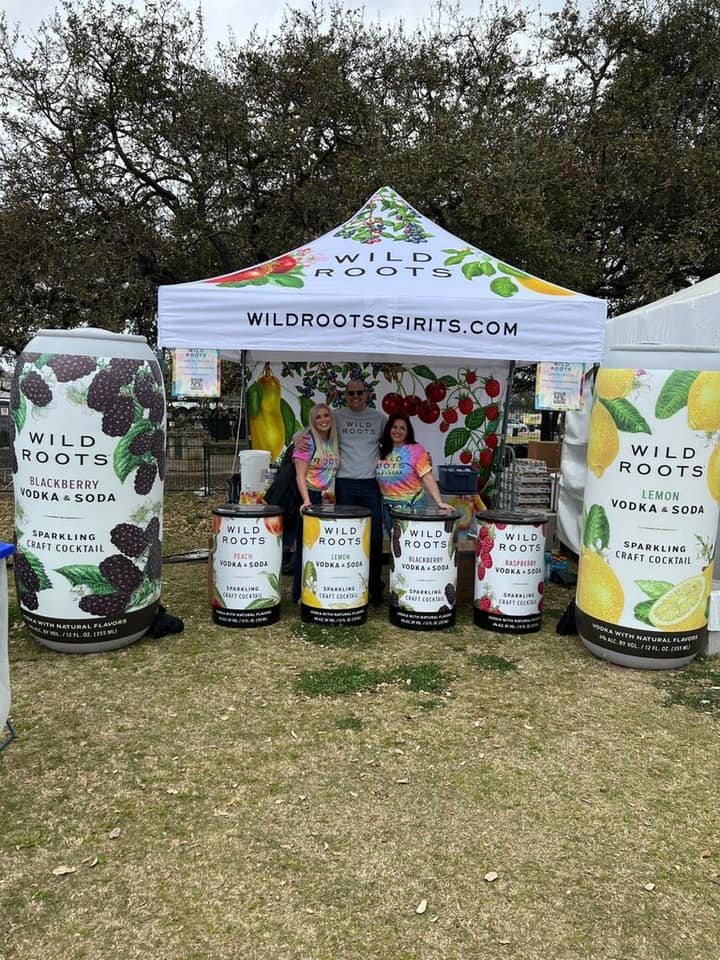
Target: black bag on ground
283 491
566 624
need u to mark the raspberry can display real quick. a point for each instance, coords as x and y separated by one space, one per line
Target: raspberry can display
335 565
509 571
650 509
246 565
423 568
87 412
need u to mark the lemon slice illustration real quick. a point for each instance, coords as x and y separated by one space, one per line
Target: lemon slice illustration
682 607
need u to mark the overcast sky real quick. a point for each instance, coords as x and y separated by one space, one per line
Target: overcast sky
267 14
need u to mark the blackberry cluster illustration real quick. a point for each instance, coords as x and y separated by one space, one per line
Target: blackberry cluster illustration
30 579
36 390
67 368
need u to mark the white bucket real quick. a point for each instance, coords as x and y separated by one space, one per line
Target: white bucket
253 464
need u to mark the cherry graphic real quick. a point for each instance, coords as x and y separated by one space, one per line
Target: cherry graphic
465 456
428 411
491 441
411 405
436 391
492 387
486 458
450 415
492 412
283 264
392 403
465 405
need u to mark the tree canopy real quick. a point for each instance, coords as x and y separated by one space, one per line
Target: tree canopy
584 148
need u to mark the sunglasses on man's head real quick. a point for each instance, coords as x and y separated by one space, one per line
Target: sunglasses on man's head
354 393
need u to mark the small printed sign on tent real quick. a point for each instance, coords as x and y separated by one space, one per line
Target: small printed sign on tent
558 386
196 373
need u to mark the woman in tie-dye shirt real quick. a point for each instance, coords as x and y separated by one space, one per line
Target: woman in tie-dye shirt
316 460
404 470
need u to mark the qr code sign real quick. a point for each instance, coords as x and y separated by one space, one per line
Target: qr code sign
196 383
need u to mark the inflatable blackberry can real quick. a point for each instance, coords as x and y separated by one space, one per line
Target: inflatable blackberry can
87 410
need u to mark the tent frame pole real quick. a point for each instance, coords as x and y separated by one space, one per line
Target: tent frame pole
499 458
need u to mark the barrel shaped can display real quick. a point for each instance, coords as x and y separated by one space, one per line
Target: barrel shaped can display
650 508
335 565
87 412
423 568
246 565
509 571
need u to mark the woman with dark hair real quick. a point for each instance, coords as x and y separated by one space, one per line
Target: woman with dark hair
404 470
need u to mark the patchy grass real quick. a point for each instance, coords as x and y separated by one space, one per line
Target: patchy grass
353 678
696 687
489 661
351 722
360 635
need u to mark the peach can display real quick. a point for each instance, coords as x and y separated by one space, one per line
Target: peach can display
650 509
87 411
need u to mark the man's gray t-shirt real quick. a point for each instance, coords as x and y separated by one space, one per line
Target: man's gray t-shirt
359 435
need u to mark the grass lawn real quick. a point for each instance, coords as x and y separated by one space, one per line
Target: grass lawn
297 793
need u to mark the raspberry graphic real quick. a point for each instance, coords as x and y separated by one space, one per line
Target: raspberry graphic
129 539
124 370
140 444
161 465
450 593
36 390
145 389
68 368
104 605
152 530
156 408
145 478
28 599
485 603
121 573
118 417
480 571
103 391
154 563
25 576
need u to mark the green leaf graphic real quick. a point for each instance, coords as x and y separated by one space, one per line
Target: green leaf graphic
19 413
475 419
124 462
626 416
145 594
42 360
219 598
503 287
309 573
288 418
274 582
456 440
87 575
254 399
642 611
674 393
597 527
306 405
286 280
511 271
654 588
477 268
262 603
449 381
424 372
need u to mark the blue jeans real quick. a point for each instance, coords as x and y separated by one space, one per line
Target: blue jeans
315 498
365 493
419 501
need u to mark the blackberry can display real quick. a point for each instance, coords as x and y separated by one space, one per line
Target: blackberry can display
650 509
423 568
335 565
509 571
246 565
87 411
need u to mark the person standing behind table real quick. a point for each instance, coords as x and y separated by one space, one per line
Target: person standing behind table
316 461
404 470
359 431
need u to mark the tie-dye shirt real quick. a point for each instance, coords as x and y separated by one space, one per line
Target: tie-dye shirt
400 474
322 462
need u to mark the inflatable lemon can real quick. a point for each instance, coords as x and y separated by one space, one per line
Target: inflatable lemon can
335 565
650 511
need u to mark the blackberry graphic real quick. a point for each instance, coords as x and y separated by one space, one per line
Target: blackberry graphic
444 609
396 549
145 478
104 389
36 390
152 530
392 562
154 563
140 444
104 605
449 526
393 599
13 460
121 573
129 539
25 576
28 599
450 593
118 417
145 389
156 443
124 370
156 408
161 464
68 368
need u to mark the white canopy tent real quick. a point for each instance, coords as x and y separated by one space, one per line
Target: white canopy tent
689 317
388 284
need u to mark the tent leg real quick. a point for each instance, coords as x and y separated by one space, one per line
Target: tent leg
499 458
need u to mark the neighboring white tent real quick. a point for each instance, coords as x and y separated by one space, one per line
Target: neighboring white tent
388 283
690 317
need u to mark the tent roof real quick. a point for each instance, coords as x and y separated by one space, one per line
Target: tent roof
388 282
688 317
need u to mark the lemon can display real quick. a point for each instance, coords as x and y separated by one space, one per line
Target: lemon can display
87 411
246 565
423 568
509 571
650 509
335 565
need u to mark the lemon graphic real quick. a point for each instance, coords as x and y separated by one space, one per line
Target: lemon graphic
604 441
713 474
311 531
682 607
366 538
309 598
599 593
614 384
703 405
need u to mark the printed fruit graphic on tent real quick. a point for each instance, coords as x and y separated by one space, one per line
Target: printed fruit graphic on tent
703 406
267 429
682 607
713 474
282 265
604 440
542 286
311 531
599 592
614 384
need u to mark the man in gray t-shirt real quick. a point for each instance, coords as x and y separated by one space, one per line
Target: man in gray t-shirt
359 431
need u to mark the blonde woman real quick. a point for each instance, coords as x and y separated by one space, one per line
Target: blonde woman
316 460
